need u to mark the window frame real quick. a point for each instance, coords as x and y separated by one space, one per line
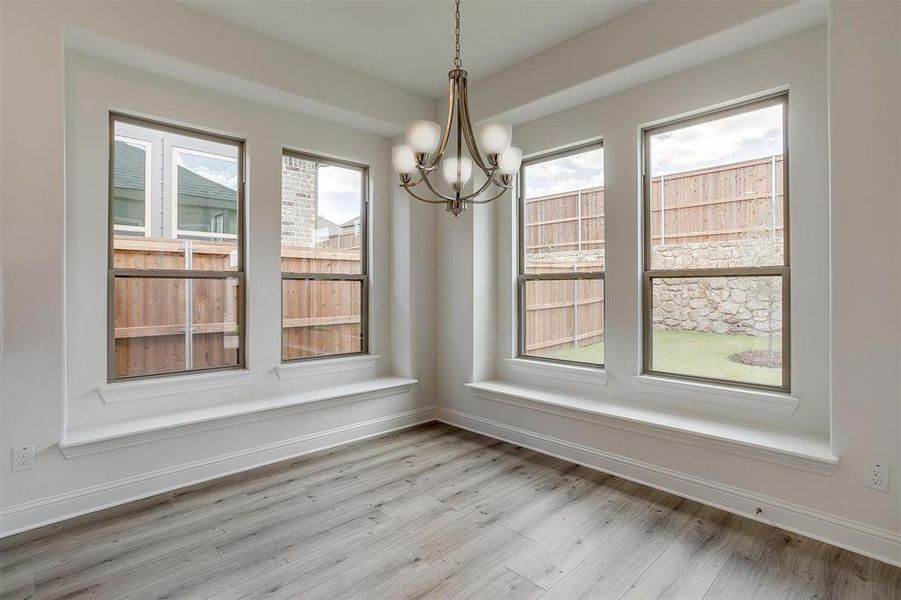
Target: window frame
648 275
522 277
188 274
362 276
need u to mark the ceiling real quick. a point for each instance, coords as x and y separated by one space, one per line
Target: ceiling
410 43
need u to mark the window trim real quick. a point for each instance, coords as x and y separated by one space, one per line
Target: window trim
362 276
782 271
187 274
522 277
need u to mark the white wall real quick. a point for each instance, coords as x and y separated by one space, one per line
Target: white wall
846 334
55 107
443 300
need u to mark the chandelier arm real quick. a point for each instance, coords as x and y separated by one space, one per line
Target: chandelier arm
466 124
410 191
434 190
488 181
438 154
492 199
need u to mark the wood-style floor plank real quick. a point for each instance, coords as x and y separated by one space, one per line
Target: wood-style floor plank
429 512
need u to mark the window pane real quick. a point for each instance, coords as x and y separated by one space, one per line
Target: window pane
175 200
321 217
321 318
565 320
726 328
165 325
716 192
563 213
130 184
207 195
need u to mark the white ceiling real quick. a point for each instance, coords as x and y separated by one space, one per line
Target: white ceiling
410 43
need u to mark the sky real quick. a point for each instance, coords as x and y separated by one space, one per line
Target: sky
339 193
754 134
223 172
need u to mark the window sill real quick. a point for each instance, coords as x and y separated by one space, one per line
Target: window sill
565 372
112 436
721 395
325 366
156 387
783 448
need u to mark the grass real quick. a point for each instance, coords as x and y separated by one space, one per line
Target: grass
697 353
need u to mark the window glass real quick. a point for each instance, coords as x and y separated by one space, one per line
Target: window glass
323 235
716 192
562 256
175 209
716 260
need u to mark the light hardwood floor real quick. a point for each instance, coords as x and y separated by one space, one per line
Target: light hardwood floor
433 512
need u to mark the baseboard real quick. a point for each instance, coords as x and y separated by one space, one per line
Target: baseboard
29 515
857 537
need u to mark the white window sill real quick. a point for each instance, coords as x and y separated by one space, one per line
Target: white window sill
156 387
325 366
779 447
112 436
720 395
564 372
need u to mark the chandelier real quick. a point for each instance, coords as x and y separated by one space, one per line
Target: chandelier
427 143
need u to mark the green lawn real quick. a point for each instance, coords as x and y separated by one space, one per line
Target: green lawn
695 353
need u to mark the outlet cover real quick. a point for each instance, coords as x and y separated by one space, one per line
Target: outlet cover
23 458
876 476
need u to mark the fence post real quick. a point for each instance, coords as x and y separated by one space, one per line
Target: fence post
576 268
662 205
189 308
773 195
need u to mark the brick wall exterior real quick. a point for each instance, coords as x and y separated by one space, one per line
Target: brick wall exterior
298 201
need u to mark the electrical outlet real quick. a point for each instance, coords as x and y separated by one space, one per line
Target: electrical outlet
23 458
876 477
423 383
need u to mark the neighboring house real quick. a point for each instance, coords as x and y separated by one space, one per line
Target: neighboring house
192 206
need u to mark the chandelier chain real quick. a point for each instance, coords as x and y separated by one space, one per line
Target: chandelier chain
457 62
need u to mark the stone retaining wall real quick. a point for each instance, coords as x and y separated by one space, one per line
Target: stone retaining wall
745 305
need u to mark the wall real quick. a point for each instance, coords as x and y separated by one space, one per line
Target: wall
298 201
54 248
846 343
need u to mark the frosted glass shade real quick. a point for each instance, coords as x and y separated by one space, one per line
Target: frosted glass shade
423 136
449 170
403 159
494 138
510 161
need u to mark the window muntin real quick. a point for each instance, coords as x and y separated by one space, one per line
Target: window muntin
561 256
325 286
716 283
175 304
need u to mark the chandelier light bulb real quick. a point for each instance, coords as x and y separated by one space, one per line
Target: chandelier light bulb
494 138
403 159
510 161
423 136
449 170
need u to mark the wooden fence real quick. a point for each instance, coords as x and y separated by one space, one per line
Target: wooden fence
164 325
728 202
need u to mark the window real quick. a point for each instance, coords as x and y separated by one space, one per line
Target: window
176 261
716 269
561 256
325 287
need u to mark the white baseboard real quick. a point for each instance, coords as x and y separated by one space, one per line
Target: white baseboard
874 542
29 515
